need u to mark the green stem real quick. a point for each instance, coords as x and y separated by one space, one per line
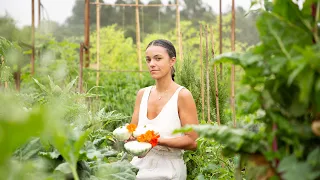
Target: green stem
74 173
316 38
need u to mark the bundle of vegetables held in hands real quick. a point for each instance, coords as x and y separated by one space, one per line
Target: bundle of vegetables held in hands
144 138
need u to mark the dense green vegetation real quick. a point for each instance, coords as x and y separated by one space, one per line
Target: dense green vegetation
48 130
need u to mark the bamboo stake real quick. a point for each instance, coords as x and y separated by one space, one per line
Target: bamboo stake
39 13
215 79
220 36
17 77
138 35
207 75
98 42
32 38
179 31
87 32
201 70
142 23
233 66
81 67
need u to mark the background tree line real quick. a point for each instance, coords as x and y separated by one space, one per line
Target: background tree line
152 20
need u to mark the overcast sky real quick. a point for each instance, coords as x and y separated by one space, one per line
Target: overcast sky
59 10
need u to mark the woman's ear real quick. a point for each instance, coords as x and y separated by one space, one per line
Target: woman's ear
172 61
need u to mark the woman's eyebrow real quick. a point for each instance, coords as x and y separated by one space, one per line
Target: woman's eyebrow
157 55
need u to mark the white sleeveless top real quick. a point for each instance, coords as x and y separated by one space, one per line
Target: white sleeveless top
161 162
167 120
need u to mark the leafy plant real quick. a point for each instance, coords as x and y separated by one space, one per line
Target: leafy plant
282 72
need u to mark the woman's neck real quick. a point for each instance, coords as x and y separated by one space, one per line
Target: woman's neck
164 84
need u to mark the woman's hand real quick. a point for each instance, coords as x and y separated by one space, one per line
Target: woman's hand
131 138
145 154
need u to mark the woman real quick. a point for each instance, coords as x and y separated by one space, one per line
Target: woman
166 106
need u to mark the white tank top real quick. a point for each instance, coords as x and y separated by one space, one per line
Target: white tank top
167 120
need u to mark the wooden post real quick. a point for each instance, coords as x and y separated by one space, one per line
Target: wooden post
201 71
233 66
87 32
179 35
207 75
32 38
81 67
17 76
39 13
215 79
220 36
98 42
315 8
138 35
39 22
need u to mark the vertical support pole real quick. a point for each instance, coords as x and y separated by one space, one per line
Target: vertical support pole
39 22
179 35
202 74
39 13
215 79
98 42
17 77
80 67
87 32
315 8
233 108
138 35
207 76
32 38
220 36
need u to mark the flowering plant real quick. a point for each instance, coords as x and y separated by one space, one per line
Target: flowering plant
131 127
150 136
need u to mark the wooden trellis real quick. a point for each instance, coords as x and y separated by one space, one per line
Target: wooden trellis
136 5
207 94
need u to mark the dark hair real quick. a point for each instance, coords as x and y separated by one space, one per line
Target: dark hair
169 47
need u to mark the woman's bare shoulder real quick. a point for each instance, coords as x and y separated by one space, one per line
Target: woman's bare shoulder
141 91
185 94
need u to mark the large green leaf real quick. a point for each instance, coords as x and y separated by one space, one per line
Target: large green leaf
17 126
234 139
120 170
277 35
292 169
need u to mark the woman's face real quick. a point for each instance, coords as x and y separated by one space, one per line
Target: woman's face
159 62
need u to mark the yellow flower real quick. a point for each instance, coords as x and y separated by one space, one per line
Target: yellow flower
131 127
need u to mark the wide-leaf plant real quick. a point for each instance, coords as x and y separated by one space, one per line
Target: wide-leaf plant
283 73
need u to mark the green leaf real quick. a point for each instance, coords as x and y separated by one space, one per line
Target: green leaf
232 57
64 168
276 35
295 73
29 150
69 86
294 170
237 140
317 94
120 170
79 143
305 82
17 126
51 155
43 88
314 158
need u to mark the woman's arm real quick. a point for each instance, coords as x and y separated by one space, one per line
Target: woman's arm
188 115
135 115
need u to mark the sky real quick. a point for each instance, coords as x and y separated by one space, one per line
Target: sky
60 10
